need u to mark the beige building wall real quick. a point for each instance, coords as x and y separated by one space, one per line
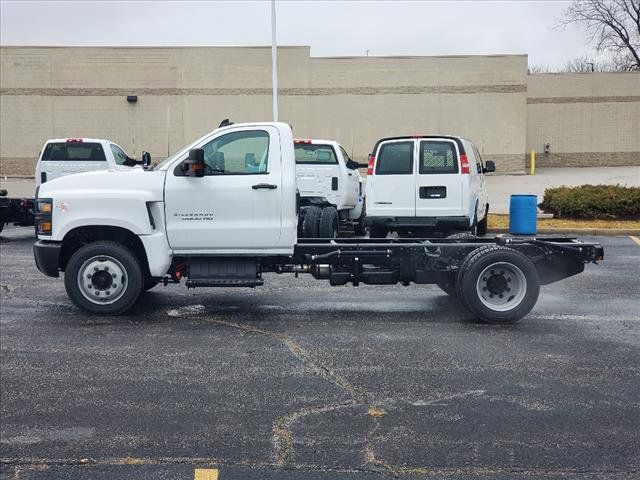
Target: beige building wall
588 119
185 92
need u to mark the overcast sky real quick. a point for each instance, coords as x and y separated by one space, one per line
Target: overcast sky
331 28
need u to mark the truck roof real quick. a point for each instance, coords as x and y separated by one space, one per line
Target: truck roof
313 141
78 139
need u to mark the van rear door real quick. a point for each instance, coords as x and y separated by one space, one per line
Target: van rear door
439 188
59 159
390 188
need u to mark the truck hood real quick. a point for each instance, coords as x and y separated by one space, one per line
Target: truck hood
133 183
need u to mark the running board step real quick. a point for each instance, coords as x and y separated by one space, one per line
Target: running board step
224 282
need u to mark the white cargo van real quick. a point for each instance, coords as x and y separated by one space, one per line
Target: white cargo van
424 185
66 156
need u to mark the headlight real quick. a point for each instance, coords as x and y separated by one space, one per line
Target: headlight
43 223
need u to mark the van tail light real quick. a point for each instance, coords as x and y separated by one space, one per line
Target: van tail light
372 160
464 164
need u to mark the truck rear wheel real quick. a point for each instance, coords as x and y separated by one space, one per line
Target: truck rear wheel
311 221
498 284
104 278
328 223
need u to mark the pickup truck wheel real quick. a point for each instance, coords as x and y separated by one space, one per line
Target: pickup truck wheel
328 223
450 287
377 232
498 284
104 278
311 222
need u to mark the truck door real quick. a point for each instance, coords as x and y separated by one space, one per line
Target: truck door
237 205
439 188
390 190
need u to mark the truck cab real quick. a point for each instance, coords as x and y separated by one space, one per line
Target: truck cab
67 156
331 189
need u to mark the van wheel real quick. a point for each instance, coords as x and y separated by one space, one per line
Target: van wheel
483 224
328 223
498 284
104 278
377 232
450 287
310 222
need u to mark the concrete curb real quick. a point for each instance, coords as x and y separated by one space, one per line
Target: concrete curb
603 232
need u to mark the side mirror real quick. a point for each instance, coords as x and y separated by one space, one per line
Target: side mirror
351 165
193 166
489 166
146 159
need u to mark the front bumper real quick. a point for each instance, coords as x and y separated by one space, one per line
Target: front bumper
393 223
47 255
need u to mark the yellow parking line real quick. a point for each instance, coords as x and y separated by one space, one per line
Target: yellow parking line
205 474
635 239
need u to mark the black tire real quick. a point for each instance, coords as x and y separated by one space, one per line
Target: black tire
311 222
522 290
376 231
103 251
1 226
359 229
328 223
301 215
450 287
483 224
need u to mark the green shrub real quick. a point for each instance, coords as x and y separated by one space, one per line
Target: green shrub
593 201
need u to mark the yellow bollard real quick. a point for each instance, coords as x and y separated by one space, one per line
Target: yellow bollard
533 162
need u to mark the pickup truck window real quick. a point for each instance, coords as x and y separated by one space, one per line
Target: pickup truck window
308 154
438 157
237 153
395 159
73 152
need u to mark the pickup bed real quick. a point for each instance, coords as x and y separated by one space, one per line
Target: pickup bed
223 211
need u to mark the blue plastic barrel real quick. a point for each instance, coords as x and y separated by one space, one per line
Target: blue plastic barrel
523 215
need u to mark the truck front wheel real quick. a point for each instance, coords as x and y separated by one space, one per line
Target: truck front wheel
104 278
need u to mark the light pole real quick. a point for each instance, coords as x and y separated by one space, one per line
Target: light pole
274 61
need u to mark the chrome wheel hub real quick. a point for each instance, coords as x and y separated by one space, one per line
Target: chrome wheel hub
501 286
102 280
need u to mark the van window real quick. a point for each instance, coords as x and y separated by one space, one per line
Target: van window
308 154
395 159
73 152
438 157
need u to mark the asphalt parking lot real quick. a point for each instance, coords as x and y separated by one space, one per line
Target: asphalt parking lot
301 380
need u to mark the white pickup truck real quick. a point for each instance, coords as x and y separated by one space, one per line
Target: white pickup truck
66 156
214 219
331 189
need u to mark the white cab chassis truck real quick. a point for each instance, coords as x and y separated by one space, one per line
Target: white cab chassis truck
208 216
331 189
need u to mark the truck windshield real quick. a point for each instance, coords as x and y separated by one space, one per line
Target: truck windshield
73 152
308 154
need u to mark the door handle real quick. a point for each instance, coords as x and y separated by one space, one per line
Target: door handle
267 186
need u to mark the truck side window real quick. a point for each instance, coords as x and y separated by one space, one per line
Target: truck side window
238 153
395 159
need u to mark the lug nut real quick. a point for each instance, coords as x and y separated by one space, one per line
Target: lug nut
484 279
508 279
109 293
114 285
97 293
89 286
89 276
106 269
500 295
113 275
95 269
